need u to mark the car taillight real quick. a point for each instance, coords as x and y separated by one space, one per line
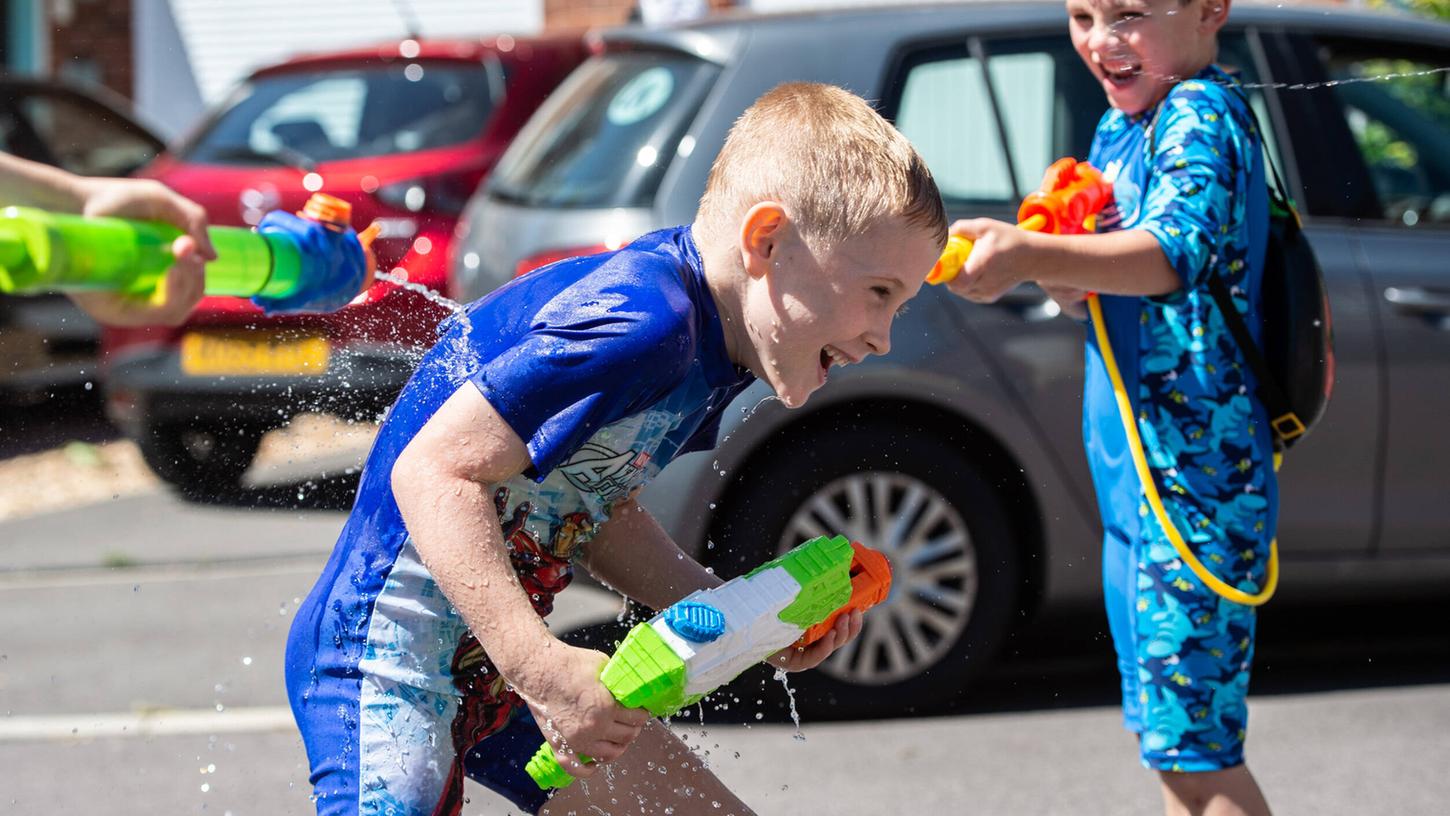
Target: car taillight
443 193
547 257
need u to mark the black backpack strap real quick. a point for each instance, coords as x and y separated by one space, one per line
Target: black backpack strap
1278 193
1282 419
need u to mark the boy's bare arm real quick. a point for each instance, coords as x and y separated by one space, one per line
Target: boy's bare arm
633 554
1129 262
442 484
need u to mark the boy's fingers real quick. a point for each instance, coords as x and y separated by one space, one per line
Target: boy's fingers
569 761
188 216
633 717
621 734
185 285
605 750
970 228
819 650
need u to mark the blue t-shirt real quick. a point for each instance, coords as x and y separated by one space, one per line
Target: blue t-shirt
607 367
1205 432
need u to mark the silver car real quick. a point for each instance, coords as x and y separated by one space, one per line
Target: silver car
960 453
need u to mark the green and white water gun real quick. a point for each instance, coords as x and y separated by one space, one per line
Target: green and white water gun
708 638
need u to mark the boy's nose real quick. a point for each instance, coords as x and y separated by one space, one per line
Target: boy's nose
1100 37
878 341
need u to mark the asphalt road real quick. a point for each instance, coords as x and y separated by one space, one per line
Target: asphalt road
140 673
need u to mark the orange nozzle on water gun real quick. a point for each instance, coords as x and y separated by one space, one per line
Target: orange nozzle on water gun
1072 194
870 584
336 214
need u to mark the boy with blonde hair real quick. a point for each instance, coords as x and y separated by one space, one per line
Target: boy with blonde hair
421 656
1185 156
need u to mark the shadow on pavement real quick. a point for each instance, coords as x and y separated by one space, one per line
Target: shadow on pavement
1065 660
59 416
334 492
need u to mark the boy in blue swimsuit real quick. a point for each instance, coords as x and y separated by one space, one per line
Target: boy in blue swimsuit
1184 156
516 449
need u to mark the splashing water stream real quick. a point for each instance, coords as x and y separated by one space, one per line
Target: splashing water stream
795 716
399 278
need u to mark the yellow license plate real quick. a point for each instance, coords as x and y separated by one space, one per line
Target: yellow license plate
253 353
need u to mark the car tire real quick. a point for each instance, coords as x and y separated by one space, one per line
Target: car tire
955 562
200 459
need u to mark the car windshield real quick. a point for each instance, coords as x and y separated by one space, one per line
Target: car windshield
605 137
327 115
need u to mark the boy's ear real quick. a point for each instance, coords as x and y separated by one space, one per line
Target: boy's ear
761 231
1212 15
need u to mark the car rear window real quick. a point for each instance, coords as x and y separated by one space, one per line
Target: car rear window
606 136
328 115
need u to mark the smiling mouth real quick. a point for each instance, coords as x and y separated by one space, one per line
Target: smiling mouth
1123 76
832 356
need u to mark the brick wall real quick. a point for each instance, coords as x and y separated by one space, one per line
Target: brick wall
572 15
565 15
91 41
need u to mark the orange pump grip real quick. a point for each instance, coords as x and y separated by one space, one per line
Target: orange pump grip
870 584
1071 192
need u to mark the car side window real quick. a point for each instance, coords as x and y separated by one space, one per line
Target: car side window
83 137
945 112
338 113
945 103
1397 108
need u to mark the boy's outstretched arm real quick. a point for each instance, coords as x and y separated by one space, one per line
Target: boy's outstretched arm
442 484
1129 262
27 183
633 554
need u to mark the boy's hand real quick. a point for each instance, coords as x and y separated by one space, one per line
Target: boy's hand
185 281
1070 299
578 715
997 263
794 659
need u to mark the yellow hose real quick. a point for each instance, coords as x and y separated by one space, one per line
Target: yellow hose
1150 488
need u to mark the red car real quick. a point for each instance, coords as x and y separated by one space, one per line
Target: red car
405 132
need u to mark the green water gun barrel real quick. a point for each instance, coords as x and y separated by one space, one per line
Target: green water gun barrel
308 262
43 251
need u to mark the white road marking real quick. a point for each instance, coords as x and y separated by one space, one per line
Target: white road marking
157 723
160 573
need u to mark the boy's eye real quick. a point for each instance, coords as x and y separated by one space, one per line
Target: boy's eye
881 292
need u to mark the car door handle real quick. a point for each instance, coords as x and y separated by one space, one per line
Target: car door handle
1419 300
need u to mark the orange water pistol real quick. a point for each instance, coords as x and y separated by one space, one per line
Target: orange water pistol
1072 194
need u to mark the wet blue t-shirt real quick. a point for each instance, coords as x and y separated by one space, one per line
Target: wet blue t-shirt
1205 432
607 367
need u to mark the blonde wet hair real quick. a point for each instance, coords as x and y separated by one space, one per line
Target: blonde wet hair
823 153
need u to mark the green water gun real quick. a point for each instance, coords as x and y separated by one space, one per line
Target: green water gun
310 261
708 638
